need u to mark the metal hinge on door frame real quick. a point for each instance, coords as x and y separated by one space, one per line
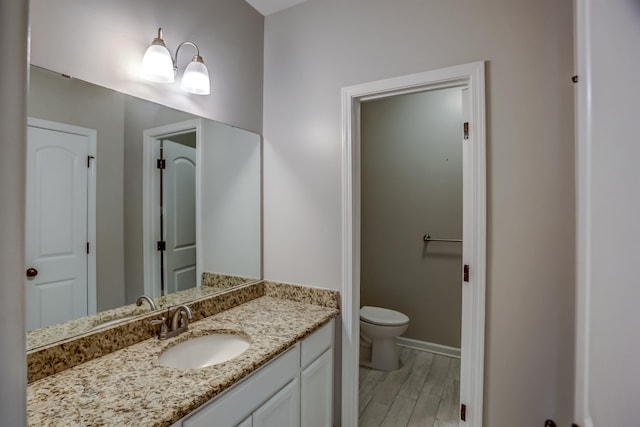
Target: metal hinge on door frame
463 412
466 130
162 245
465 273
88 247
89 158
161 164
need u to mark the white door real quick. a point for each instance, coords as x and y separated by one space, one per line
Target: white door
180 215
282 410
316 391
56 224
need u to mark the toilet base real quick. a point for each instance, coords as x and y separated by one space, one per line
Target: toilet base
384 355
365 352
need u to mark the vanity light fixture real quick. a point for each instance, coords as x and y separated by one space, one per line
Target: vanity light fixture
159 66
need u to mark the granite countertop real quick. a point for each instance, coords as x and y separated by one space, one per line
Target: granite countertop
130 388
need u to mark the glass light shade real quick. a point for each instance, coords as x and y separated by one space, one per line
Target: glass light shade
196 78
157 65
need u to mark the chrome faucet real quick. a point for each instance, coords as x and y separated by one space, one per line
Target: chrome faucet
143 298
180 317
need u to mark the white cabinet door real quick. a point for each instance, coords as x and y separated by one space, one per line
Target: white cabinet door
316 394
282 410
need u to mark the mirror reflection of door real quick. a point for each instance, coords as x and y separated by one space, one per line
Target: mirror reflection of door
178 218
60 163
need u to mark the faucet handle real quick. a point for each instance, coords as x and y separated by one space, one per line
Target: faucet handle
163 327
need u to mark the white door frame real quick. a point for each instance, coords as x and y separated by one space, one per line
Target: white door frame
92 138
474 229
151 199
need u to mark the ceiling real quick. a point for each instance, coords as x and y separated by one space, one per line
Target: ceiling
267 7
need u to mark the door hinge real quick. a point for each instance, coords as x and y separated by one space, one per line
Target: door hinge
161 164
463 412
466 130
87 247
162 245
89 158
465 273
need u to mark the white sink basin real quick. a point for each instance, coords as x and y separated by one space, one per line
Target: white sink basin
202 351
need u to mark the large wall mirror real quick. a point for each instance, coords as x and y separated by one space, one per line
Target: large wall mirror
126 198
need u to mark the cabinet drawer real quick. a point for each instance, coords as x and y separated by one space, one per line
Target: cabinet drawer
316 343
235 404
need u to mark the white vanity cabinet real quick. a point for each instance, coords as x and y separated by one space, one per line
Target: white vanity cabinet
293 390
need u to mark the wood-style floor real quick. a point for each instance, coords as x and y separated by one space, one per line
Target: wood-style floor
424 392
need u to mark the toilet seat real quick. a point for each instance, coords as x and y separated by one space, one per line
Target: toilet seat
383 316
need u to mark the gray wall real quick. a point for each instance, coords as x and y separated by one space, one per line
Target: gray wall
314 49
231 217
103 42
140 116
13 113
53 97
411 169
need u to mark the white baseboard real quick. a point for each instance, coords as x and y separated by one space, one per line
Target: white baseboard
429 346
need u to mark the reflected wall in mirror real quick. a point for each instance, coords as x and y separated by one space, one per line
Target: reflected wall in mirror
95 186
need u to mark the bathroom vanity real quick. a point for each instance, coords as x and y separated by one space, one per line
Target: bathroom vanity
295 386
284 378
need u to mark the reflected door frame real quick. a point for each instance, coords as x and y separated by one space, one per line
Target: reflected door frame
470 76
151 197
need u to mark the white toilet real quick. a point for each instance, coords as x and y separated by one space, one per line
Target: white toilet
379 327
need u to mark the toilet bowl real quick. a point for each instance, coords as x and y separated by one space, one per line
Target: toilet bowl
380 327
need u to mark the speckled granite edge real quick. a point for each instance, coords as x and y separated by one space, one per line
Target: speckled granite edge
57 357
322 297
222 282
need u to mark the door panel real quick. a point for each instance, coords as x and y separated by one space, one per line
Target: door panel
282 410
56 229
180 208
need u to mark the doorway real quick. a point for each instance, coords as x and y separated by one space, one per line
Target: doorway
177 213
472 276
411 252
60 249
171 219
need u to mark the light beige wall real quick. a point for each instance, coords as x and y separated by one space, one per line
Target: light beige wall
411 170
608 377
315 49
72 101
103 42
